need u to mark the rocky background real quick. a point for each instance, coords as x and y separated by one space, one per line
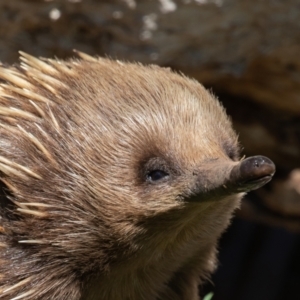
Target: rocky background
248 53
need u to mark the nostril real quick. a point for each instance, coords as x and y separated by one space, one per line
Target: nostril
260 161
256 164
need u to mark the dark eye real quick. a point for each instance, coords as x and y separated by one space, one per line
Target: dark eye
156 175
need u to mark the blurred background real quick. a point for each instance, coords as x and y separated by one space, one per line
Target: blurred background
248 54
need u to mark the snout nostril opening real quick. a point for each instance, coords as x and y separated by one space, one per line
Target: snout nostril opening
256 164
261 162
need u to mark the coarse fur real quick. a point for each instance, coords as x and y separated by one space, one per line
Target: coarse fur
81 217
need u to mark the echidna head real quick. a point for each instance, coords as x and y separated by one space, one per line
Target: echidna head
103 160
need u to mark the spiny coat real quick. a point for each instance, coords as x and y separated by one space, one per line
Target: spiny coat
113 178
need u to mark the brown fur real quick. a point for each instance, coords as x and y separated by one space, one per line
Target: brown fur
80 219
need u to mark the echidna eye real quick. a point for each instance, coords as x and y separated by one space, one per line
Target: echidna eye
156 175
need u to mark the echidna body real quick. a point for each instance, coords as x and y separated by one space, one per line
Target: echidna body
117 180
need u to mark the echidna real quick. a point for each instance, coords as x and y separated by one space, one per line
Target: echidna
117 180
